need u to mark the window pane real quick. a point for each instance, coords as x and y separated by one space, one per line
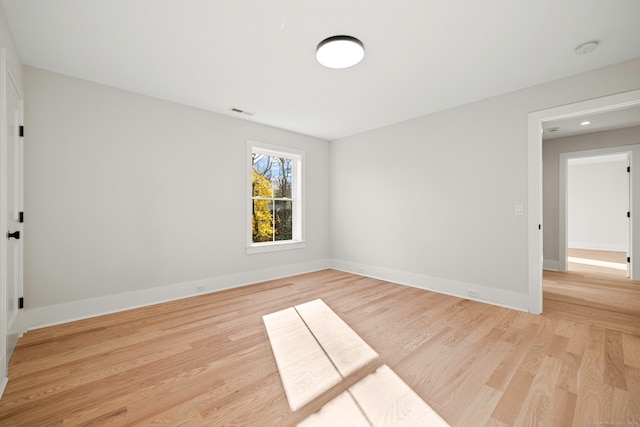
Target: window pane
282 176
261 185
262 171
272 179
277 170
283 220
262 221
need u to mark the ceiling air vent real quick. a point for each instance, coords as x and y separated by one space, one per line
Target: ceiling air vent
239 111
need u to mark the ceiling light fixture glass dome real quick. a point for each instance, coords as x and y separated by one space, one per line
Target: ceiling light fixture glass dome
340 52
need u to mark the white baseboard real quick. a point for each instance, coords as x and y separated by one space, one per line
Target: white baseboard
597 246
3 373
39 317
499 297
551 264
76 310
3 385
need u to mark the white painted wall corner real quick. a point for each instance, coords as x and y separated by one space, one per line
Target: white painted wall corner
499 297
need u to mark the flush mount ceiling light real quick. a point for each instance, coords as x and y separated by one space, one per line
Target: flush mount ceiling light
585 123
340 52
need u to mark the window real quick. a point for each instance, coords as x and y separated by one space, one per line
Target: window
275 193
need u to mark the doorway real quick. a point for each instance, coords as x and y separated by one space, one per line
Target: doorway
595 210
535 206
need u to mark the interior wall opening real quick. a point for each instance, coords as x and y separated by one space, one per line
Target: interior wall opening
598 223
540 124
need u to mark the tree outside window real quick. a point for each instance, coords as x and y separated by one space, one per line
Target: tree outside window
272 196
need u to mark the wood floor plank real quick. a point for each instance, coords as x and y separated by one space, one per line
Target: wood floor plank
342 410
471 378
388 401
631 350
513 397
479 411
512 361
633 386
305 369
344 347
616 406
594 295
589 403
536 409
563 405
614 374
207 360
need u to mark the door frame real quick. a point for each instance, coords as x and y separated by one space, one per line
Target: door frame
18 205
563 225
7 79
3 222
534 223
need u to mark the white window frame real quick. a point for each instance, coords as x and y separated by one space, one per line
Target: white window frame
297 196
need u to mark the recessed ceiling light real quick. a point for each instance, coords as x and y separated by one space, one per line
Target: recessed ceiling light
340 52
587 47
585 123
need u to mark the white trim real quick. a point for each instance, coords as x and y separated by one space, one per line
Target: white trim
298 195
258 248
3 383
40 317
534 220
563 229
606 103
19 201
3 216
489 295
598 246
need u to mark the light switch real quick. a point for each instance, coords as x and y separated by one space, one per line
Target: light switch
519 210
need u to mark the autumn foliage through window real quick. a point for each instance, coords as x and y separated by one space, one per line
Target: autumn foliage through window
272 185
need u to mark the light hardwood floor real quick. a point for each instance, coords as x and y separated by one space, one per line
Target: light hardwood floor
598 255
207 361
595 295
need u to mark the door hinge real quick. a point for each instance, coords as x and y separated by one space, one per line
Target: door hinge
628 259
628 214
539 226
21 217
22 131
628 168
21 302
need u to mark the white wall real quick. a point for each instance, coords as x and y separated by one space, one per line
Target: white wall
551 151
431 201
597 205
131 194
123 200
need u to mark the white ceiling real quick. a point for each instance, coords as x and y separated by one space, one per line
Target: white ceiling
421 56
615 119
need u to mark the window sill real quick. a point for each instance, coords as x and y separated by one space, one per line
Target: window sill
275 246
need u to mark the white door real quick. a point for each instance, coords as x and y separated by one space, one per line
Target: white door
13 181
